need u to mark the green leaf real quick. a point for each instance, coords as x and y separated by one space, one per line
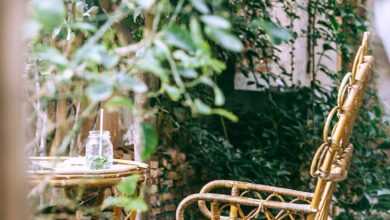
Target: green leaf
50 13
150 140
187 72
196 33
128 185
178 36
182 56
216 21
84 26
217 65
52 55
109 60
335 23
118 102
136 204
201 107
126 82
128 203
277 33
219 97
99 91
98 54
161 48
226 114
201 6
224 39
149 63
173 92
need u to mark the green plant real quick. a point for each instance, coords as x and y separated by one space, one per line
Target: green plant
129 198
119 55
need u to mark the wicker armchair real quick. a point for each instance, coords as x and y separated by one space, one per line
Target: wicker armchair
330 165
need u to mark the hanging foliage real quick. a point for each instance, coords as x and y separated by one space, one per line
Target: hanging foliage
120 55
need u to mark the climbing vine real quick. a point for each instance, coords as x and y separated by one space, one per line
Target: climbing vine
280 125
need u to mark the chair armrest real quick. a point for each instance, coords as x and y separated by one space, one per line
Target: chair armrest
259 205
229 184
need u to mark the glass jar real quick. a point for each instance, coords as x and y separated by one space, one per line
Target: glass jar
96 158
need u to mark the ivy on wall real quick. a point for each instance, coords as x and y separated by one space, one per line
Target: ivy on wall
278 132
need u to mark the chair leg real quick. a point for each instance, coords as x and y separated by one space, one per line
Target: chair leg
325 202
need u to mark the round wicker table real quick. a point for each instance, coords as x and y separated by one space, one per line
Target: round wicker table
51 171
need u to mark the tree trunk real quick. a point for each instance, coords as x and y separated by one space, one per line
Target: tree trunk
141 99
63 126
141 105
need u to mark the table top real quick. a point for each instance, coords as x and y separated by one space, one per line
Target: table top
71 171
